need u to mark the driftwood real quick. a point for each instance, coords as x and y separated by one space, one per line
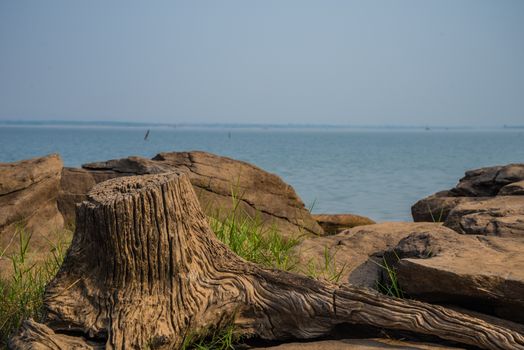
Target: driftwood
145 271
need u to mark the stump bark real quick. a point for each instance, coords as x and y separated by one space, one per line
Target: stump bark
145 271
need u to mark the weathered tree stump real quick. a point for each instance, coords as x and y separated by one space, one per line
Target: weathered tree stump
145 270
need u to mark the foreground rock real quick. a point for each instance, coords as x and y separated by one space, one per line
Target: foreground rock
477 272
436 264
145 270
336 223
28 194
356 255
221 184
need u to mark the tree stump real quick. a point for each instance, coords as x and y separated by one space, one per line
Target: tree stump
145 271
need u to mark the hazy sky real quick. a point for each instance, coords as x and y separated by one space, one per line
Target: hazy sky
368 62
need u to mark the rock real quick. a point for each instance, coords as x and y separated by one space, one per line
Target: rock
497 216
217 181
481 273
356 255
436 207
488 181
477 185
74 186
129 166
28 192
509 174
360 344
436 264
336 223
513 189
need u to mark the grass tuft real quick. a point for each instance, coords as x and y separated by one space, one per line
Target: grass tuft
436 218
219 339
327 270
22 292
390 285
250 239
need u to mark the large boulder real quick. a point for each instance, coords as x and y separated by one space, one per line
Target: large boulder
488 181
222 184
356 255
28 193
436 208
485 201
497 216
477 272
336 223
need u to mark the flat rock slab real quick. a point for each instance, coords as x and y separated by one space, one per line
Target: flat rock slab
436 264
336 223
360 344
221 183
497 216
357 253
482 273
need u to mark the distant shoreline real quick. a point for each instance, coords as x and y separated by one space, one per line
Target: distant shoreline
65 123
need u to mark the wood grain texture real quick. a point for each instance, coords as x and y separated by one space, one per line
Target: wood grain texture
145 270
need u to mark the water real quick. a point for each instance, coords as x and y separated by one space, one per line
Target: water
377 173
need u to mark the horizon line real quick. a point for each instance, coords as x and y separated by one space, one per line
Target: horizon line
58 122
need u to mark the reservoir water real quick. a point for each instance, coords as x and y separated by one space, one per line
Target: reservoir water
379 173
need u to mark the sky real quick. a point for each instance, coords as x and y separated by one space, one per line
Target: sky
419 62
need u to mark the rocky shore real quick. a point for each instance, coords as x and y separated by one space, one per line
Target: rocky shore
464 250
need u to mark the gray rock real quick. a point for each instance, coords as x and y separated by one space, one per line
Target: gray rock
488 181
436 208
513 189
478 272
497 216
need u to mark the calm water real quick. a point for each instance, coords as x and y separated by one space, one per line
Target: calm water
376 173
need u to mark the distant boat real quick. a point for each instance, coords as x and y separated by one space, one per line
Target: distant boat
147 135
229 135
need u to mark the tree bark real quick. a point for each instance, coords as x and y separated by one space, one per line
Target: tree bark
145 270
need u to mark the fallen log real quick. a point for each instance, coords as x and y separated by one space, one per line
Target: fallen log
145 271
